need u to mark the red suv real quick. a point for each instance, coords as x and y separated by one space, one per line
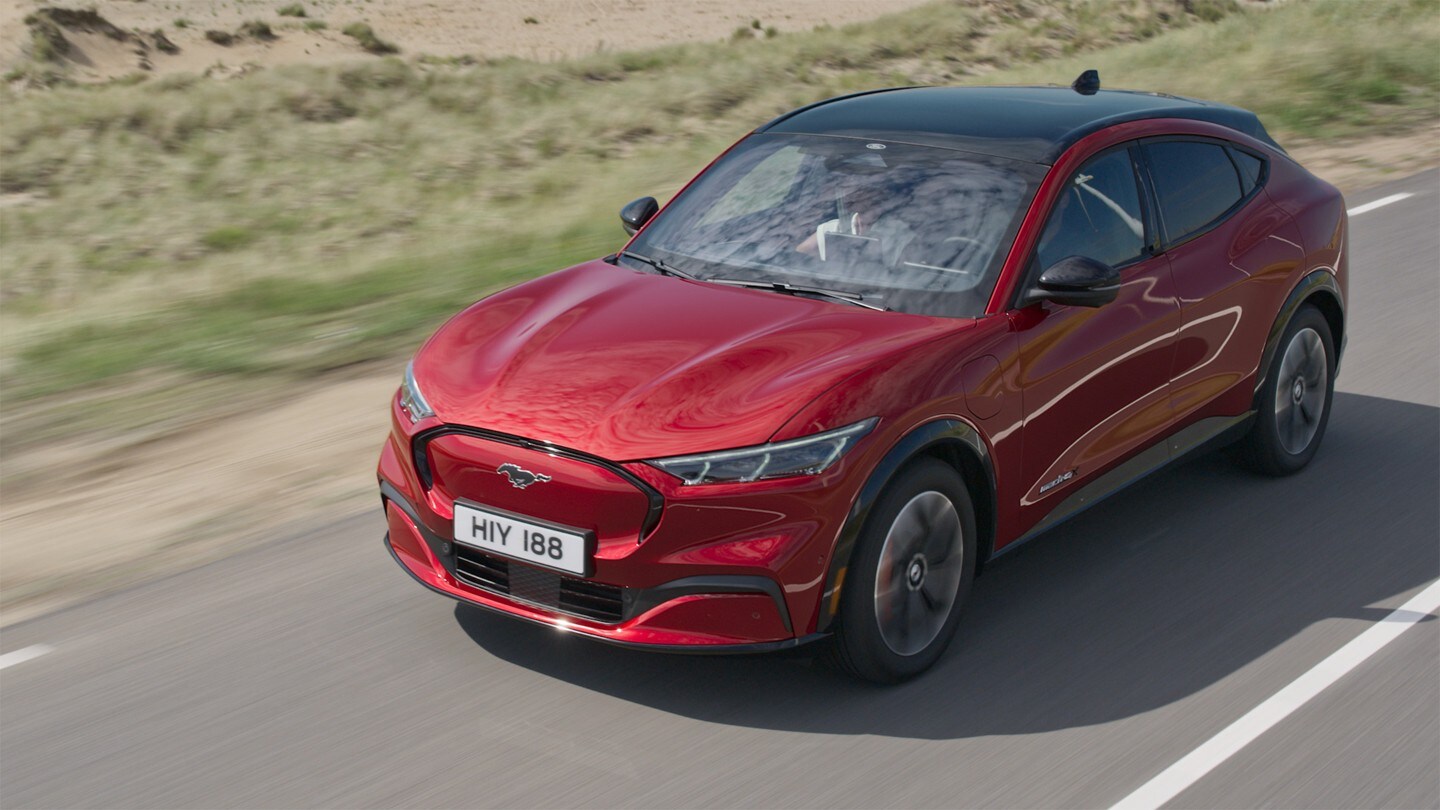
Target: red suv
879 341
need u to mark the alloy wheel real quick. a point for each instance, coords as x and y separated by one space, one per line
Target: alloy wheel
919 573
1300 391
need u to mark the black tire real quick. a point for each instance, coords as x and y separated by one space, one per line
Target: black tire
861 646
1286 432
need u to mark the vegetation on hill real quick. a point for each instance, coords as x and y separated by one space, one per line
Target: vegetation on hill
302 219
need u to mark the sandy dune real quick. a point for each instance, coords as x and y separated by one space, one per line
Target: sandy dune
530 29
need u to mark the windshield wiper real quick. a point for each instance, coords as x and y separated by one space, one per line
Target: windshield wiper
662 267
777 286
792 289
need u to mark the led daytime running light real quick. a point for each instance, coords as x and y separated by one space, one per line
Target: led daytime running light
808 455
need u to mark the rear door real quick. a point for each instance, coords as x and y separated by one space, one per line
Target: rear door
1095 381
1227 245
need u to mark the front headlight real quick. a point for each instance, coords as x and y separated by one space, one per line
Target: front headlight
810 455
410 397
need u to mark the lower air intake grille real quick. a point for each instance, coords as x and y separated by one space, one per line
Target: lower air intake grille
481 570
547 589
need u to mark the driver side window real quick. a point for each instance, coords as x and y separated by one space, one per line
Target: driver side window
1098 214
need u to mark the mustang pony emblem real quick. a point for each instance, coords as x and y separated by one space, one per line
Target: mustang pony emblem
520 478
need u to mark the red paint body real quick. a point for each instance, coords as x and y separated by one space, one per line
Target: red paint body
625 365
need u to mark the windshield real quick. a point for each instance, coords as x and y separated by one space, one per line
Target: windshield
910 228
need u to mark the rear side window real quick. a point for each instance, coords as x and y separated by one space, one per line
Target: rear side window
1196 183
1250 169
1098 215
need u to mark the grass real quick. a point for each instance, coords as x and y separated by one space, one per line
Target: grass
227 238
1319 69
368 39
47 40
257 29
305 219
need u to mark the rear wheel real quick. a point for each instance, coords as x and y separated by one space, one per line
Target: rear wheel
1293 406
912 569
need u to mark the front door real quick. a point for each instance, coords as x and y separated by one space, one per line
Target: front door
1095 381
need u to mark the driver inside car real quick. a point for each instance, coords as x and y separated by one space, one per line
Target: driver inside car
863 218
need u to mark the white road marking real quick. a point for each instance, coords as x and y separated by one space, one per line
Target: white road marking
24 654
1383 201
1170 782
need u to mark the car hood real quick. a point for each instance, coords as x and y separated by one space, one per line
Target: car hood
629 365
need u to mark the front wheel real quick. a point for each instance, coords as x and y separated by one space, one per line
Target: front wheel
912 569
1293 406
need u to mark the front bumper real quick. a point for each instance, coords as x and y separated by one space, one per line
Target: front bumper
696 614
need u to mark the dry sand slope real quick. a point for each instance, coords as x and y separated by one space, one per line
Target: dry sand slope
482 29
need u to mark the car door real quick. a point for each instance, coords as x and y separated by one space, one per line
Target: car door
1095 381
1230 251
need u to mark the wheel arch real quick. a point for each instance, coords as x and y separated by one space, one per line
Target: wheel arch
953 441
1320 289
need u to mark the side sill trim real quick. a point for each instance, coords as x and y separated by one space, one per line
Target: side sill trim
1205 433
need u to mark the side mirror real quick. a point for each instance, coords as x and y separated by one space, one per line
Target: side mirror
1075 281
636 214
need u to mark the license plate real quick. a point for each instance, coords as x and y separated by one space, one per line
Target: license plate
521 538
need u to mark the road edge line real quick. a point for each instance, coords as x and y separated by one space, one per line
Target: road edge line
1380 203
24 654
1170 782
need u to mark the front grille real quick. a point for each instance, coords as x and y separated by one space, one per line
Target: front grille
547 589
593 600
481 570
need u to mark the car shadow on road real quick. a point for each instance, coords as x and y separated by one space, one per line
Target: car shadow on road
1148 598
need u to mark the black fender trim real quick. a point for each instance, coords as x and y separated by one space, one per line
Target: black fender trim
917 441
1320 281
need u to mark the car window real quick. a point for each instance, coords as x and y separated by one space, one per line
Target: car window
1098 215
763 188
1250 169
1195 182
906 227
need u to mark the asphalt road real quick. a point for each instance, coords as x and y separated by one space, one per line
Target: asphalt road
310 671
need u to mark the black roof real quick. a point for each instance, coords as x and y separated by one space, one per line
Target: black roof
1034 124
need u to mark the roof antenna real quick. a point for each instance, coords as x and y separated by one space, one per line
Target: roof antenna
1087 83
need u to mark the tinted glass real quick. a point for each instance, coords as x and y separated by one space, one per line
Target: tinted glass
1097 216
1196 183
910 228
1250 169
